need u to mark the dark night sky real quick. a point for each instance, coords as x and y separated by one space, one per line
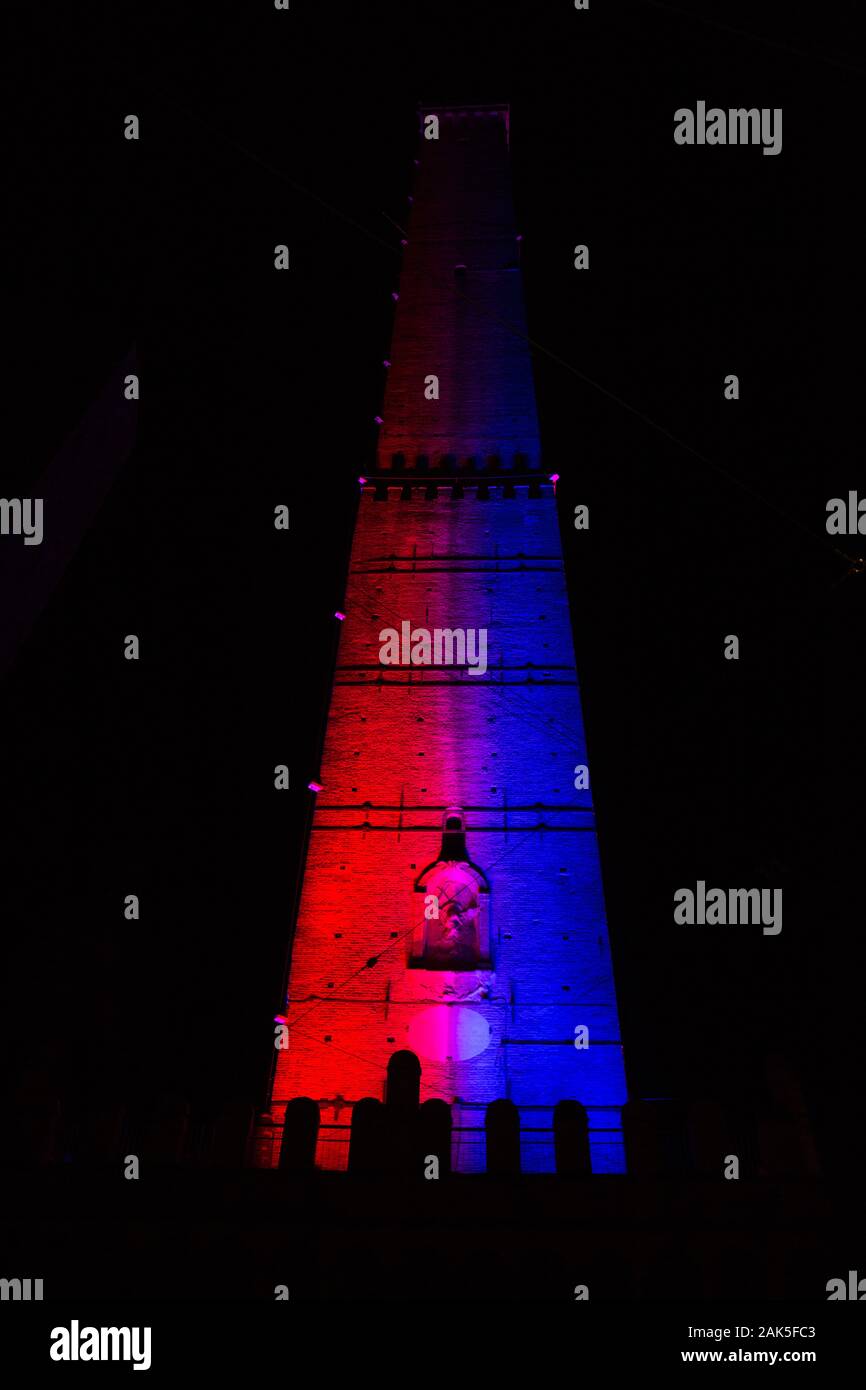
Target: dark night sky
707 517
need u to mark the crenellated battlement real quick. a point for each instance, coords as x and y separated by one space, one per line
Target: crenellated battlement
517 487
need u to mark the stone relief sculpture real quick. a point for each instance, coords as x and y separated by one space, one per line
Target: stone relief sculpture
452 937
453 932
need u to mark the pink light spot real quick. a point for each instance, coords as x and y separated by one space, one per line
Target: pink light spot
315 786
449 1034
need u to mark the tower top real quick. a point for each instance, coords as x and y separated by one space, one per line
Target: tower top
459 395
465 108
497 112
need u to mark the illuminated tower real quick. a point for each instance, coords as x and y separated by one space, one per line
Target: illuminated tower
452 898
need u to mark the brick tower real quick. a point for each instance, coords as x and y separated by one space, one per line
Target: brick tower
452 899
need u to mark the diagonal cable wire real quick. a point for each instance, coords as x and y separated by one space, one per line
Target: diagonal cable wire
396 941
755 38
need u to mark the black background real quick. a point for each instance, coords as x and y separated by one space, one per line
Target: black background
707 517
